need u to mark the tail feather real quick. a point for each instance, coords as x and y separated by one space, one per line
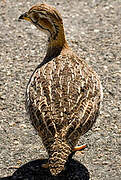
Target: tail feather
58 156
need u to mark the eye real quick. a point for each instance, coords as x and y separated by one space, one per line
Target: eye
34 17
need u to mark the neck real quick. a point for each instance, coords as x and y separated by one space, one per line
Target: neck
56 44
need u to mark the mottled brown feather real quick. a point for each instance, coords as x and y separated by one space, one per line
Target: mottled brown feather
62 97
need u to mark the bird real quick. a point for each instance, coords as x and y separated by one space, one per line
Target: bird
64 93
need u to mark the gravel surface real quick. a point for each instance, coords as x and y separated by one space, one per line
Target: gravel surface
93 30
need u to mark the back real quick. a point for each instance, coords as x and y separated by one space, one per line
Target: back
65 94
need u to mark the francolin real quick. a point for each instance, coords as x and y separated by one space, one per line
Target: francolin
63 94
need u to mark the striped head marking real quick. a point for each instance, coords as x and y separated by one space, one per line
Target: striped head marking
45 18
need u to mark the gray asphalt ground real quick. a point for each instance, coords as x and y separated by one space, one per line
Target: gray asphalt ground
93 30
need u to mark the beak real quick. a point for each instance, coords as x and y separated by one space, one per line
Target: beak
24 16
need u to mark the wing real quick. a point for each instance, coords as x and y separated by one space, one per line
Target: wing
37 99
86 109
89 110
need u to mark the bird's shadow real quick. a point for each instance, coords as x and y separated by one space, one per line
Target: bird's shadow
33 170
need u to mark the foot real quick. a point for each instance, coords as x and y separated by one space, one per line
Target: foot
80 148
45 165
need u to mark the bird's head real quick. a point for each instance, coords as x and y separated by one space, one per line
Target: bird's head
45 18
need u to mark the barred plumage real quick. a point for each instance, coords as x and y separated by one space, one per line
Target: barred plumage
63 94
